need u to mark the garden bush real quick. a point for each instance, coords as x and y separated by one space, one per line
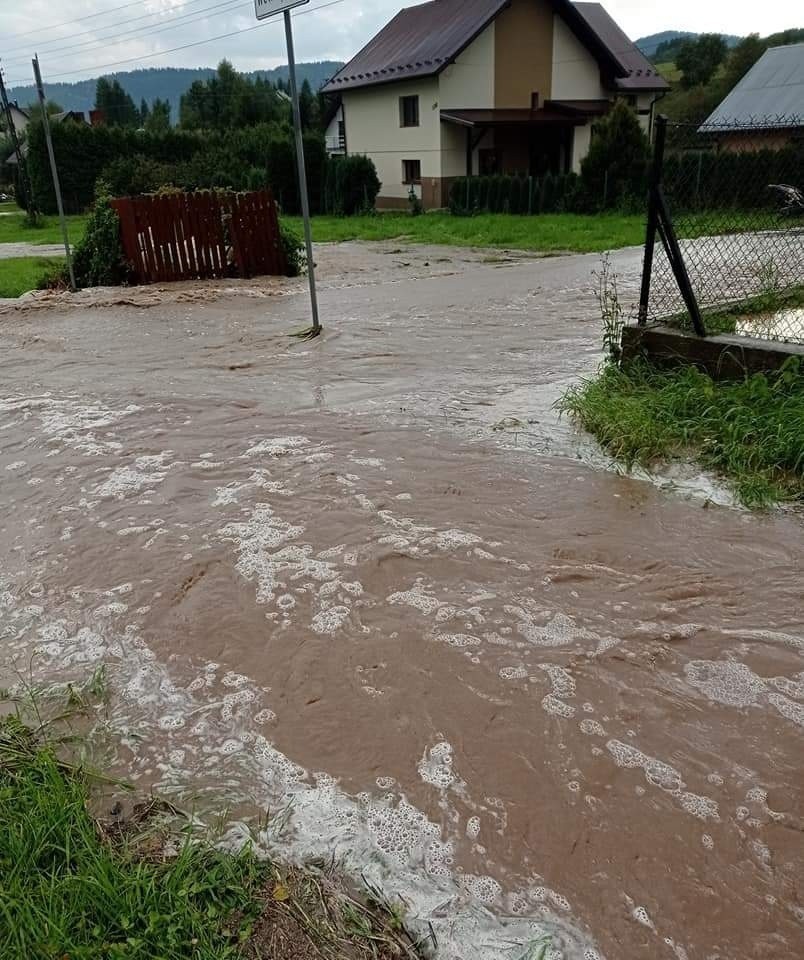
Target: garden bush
98 258
615 170
351 185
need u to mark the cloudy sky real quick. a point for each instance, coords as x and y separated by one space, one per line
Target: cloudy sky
102 35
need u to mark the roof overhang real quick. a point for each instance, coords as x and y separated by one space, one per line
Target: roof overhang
473 119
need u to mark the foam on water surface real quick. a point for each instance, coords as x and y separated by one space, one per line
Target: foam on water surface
385 838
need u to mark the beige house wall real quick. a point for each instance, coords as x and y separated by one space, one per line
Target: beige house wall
468 84
575 74
523 43
580 146
373 128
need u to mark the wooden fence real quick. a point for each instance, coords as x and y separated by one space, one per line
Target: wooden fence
196 236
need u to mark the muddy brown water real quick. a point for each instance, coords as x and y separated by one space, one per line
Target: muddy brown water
372 589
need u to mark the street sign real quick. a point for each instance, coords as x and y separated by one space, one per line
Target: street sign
267 8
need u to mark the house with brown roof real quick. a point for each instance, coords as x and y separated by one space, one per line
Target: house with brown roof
452 88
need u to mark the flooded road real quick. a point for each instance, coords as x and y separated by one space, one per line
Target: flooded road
367 597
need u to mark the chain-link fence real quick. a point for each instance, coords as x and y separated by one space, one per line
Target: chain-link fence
725 250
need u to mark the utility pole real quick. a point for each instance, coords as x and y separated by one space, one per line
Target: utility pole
269 8
15 143
54 170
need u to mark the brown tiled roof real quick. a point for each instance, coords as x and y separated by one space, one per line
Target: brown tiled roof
421 41
638 73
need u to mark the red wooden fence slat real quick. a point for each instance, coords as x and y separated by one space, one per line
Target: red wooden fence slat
200 235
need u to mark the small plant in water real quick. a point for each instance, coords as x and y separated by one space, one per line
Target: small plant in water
611 311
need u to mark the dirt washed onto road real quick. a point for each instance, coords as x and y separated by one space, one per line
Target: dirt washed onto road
372 587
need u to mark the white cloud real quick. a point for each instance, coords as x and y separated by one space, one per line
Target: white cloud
333 32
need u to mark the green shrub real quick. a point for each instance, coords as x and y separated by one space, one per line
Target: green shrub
135 162
513 194
98 259
135 175
616 167
294 250
354 185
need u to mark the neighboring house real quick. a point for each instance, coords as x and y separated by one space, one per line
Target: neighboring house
769 98
456 87
335 128
19 118
75 115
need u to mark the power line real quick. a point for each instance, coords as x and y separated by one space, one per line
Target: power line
69 23
115 27
176 22
162 53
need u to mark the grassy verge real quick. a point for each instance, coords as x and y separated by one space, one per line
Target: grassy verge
73 887
14 229
21 274
548 233
751 432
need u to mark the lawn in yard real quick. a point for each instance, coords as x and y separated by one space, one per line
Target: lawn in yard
21 274
548 233
14 229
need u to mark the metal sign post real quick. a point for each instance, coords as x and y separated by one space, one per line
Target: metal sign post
263 10
54 170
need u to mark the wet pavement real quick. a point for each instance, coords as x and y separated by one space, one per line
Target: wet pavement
8 251
372 590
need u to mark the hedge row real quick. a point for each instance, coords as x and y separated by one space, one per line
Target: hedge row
132 162
506 194
725 179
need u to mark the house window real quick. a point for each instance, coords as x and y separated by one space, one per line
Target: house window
411 171
408 111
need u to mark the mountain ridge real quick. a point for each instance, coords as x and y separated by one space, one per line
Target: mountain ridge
167 83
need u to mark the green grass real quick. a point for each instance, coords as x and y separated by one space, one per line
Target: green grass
751 432
14 229
669 71
548 233
72 888
21 274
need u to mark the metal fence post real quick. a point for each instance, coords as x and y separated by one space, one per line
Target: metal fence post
653 217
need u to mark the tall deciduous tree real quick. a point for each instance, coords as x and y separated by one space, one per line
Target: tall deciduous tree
742 58
699 59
